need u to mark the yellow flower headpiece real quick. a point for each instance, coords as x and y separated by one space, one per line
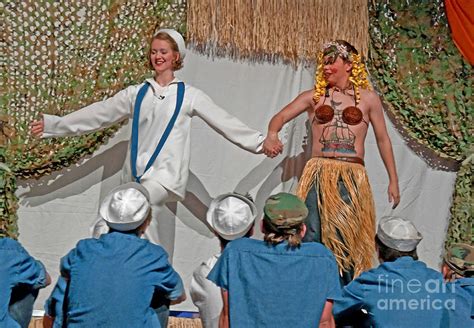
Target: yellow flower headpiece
358 76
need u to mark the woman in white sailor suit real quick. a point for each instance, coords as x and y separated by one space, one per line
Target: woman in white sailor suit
159 150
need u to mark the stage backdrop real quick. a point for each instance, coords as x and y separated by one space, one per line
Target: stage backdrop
58 210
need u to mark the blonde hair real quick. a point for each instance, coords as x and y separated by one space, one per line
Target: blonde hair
177 64
349 54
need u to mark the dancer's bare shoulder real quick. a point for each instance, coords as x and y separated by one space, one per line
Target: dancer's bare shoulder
371 100
306 97
303 102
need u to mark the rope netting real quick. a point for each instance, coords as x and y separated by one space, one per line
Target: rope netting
60 56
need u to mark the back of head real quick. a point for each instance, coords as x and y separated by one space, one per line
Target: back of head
126 207
460 259
283 219
231 215
285 281
396 237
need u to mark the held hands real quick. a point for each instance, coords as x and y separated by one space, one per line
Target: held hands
37 127
272 146
393 194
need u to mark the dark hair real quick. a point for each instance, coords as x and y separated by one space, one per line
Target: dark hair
348 46
178 64
333 56
274 236
388 254
133 231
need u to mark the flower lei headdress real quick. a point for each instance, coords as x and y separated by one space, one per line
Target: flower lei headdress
334 49
358 76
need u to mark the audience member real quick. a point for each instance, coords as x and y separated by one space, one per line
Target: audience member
458 271
278 282
21 277
402 291
119 279
231 216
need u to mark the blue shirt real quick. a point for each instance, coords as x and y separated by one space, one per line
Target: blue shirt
402 293
54 304
112 281
16 267
463 314
274 286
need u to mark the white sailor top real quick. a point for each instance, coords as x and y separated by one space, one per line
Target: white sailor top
171 167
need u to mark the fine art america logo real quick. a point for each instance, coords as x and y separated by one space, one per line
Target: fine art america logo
399 294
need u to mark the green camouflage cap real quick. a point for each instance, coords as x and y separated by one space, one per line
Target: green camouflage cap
460 258
284 210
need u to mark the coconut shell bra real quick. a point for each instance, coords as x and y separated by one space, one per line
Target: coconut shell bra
351 115
337 136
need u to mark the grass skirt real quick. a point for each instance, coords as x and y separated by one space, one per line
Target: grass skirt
347 228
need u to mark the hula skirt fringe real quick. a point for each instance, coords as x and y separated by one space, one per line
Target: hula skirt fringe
347 229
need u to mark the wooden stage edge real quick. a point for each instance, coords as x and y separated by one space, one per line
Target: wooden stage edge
173 322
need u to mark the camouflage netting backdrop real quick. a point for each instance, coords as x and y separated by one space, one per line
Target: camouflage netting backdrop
427 86
58 56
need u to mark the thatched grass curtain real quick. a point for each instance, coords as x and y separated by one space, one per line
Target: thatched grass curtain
272 30
427 86
59 56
